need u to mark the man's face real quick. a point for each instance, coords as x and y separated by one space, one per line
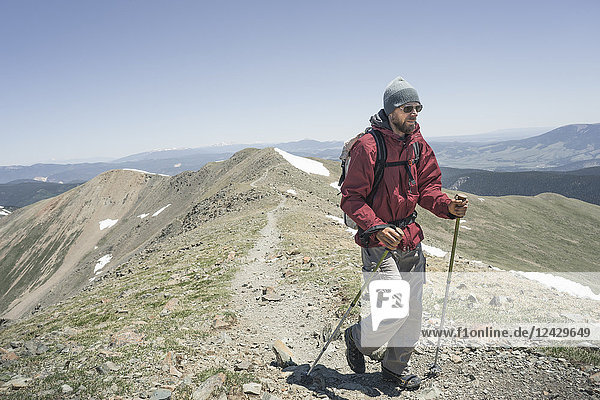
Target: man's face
404 122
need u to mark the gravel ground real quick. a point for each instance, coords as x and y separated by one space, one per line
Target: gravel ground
271 308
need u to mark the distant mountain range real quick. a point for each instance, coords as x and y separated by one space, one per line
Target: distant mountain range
468 165
570 147
566 148
78 173
168 162
303 148
490 137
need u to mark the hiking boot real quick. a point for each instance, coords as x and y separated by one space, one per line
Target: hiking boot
356 360
403 381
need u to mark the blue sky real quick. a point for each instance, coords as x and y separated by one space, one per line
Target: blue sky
89 79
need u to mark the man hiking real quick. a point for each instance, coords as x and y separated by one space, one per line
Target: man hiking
380 196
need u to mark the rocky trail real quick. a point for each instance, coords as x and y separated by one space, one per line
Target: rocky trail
296 321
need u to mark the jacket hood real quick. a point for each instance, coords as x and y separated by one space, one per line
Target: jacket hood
381 122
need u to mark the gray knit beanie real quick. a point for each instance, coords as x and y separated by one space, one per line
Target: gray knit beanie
398 92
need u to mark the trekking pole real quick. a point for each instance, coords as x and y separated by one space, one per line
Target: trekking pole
356 298
434 369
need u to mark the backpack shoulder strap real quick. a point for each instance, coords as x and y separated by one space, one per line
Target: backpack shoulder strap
380 162
416 152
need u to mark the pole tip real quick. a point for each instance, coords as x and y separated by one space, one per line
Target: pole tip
434 371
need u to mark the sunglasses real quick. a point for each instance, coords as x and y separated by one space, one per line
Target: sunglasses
409 109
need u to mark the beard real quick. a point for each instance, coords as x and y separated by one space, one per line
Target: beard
407 127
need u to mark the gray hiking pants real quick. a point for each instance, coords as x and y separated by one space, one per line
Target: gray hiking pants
401 335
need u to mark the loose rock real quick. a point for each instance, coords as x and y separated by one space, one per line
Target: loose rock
209 387
252 388
126 337
283 354
175 372
222 321
269 294
66 389
18 382
242 366
268 396
595 379
499 301
8 355
429 393
161 394
455 358
170 306
472 298
111 366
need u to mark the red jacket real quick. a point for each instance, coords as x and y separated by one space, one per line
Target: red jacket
394 199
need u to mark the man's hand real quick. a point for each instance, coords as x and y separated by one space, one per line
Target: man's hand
458 206
390 237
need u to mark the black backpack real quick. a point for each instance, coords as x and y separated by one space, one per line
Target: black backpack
380 165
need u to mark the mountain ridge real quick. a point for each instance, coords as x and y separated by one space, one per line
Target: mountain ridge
127 197
253 258
185 201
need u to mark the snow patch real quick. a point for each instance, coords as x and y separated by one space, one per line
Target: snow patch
102 263
4 211
433 251
161 210
142 216
336 219
341 222
143 172
292 192
335 186
557 282
465 227
480 199
561 284
304 164
477 263
107 223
